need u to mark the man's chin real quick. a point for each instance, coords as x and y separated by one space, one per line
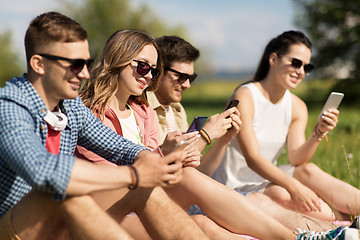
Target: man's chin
176 100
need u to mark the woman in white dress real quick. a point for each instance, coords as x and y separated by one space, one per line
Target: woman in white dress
274 118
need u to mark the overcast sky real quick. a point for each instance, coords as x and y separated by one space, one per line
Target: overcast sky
234 32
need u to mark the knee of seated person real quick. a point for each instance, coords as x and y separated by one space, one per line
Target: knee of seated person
306 170
76 203
279 195
258 197
188 172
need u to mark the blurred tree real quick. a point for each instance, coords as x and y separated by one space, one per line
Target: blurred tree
334 29
101 18
9 60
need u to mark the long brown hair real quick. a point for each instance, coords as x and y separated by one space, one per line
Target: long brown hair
120 49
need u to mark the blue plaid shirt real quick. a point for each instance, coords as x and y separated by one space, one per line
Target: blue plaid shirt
24 161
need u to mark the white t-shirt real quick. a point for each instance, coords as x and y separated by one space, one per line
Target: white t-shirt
130 129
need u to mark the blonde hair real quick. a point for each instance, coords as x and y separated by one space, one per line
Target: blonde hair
120 49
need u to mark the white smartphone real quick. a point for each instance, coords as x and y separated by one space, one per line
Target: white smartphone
181 145
333 101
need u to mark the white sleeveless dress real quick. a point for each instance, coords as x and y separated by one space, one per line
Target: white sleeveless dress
271 124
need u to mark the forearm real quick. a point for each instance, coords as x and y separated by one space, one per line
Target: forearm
211 160
305 152
272 173
87 177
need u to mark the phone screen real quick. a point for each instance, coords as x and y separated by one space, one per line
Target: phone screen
197 124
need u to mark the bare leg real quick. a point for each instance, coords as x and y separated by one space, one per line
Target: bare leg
281 196
214 231
289 218
226 207
161 217
38 217
338 194
134 227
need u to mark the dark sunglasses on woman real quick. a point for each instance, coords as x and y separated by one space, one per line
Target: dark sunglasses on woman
76 66
144 68
297 63
182 76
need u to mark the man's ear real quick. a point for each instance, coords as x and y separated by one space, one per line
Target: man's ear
36 63
273 58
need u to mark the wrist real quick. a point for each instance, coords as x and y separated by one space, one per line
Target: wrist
317 134
205 136
134 178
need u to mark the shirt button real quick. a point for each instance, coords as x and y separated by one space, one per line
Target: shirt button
43 110
42 127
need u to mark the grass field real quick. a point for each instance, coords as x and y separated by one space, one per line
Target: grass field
339 156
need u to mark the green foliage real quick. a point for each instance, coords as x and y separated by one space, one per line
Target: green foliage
101 18
9 60
334 28
339 156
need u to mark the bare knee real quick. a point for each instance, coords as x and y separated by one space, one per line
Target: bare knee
37 216
259 199
189 173
279 195
306 171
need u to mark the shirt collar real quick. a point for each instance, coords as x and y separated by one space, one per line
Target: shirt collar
154 102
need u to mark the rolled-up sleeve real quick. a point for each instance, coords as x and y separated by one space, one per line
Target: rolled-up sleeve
23 152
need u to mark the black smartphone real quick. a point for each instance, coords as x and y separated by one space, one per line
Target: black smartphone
197 124
232 103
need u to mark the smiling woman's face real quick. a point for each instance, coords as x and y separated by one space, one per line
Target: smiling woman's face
131 82
288 75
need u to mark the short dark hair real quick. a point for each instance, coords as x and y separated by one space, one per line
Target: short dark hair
51 27
176 49
279 45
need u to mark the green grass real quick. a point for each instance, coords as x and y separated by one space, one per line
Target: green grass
339 156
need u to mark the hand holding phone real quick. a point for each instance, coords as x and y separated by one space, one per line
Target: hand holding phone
182 145
197 124
232 103
333 101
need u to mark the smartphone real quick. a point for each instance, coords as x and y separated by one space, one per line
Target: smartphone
232 103
197 124
333 101
181 145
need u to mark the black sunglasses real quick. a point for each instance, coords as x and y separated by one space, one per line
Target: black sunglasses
182 76
144 68
297 63
76 66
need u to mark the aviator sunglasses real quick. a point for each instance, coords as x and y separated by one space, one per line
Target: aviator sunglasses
76 66
144 68
182 76
297 63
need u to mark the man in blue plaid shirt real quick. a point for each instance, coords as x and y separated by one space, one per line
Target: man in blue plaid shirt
47 193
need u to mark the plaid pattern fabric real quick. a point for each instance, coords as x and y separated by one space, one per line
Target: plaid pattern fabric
24 161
